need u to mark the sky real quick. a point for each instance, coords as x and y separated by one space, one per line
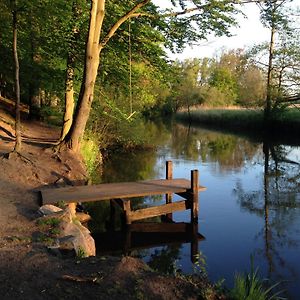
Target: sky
249 32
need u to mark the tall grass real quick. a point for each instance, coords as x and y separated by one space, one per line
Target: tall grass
228 117
250 286
243 118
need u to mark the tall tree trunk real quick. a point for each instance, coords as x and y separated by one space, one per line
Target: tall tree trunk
69 82
268 105
69 98
34 96
92 59
18 143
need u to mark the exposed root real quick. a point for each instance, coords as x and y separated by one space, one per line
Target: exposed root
15 154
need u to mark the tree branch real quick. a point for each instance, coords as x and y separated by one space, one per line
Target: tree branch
123 19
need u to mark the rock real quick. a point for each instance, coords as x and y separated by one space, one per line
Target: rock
48 209
82 217
73 235
77 236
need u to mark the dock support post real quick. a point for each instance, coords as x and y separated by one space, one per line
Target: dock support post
194 242
169 175
195 195
127 209
112 219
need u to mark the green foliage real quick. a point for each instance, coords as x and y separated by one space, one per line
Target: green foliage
52 115
225 81
90 151
250 287
200 264
232 78
50 229
81 253
53 222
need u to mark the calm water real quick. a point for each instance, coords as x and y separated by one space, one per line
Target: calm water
251 206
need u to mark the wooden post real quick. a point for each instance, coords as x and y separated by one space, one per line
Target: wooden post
194 242
195 195
169 175
112 219
127 243
127 210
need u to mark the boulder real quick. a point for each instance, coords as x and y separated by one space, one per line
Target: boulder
73 235
76 236
48 209
82 217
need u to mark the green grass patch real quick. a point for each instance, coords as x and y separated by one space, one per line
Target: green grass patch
52 222
250 286
281 119
90 151
227 117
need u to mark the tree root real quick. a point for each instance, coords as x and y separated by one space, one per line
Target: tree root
13 154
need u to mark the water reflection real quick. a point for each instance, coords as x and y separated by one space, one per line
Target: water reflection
278 202
251 206
228 151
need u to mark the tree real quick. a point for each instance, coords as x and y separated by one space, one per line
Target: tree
186 84
210 16
18 143
273 17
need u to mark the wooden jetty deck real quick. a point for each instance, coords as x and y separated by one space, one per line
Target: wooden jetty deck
122 193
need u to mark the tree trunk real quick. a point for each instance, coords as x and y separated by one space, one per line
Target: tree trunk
34 95
92 59
18 143
69 99
268 105
69 83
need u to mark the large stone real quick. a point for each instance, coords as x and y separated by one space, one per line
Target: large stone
77 236
73 235
48 209
82 217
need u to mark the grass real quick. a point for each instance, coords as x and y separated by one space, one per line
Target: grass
52 222
250 286
285 119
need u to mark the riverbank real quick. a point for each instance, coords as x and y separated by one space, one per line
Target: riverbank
28 270
284 121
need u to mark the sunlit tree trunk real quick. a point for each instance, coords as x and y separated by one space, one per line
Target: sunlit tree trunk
18 143
69 98
92 59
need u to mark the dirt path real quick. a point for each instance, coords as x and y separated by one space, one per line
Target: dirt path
27 269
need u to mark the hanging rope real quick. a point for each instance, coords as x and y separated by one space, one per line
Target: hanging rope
130 65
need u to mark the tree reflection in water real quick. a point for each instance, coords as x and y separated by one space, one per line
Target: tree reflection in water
278 202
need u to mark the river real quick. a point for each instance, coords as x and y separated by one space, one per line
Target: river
251 207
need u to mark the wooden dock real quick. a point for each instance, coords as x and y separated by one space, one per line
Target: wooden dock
122 194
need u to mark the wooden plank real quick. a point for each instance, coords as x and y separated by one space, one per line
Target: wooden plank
115 190
158 210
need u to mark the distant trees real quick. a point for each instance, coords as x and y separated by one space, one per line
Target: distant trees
230 79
